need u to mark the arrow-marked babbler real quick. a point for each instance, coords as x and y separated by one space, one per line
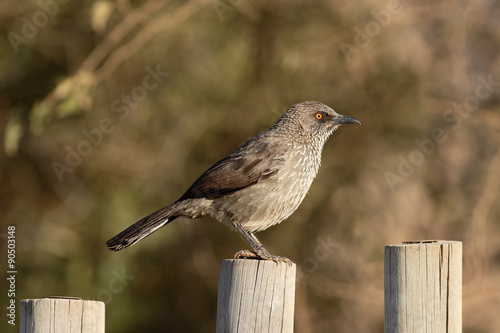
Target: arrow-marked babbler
259 185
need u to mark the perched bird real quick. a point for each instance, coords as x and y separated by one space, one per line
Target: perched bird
259 185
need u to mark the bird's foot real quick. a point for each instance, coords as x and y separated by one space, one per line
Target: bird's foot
262 255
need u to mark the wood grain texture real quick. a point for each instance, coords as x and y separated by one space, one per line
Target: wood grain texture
256 296
423 287
61 315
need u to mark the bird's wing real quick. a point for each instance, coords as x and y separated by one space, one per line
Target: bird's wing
233 173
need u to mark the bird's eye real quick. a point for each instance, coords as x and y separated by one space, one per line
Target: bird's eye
318 116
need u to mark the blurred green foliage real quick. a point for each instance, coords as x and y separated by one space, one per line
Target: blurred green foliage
93 141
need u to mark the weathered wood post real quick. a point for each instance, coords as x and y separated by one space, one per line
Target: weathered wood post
255 296
423 287
61 315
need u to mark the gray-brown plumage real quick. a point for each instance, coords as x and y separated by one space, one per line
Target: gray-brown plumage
259 185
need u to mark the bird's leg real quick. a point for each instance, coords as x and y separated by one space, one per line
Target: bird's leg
259 251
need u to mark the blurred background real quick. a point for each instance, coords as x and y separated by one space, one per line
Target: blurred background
111 109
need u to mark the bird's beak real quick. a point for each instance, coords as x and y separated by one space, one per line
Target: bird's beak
345 120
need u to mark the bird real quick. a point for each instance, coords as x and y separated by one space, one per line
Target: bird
257 186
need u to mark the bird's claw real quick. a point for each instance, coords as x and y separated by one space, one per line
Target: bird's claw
247 254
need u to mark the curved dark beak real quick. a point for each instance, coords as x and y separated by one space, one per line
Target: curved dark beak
345 120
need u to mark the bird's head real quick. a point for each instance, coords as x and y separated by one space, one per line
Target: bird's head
314 119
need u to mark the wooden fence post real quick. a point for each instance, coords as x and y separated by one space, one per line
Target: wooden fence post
423 287
61 315
255 296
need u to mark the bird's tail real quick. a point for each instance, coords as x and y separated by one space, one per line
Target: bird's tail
141 229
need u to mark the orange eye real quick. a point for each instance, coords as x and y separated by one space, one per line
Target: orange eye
318 116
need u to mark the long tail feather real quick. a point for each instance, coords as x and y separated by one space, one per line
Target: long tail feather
141 229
